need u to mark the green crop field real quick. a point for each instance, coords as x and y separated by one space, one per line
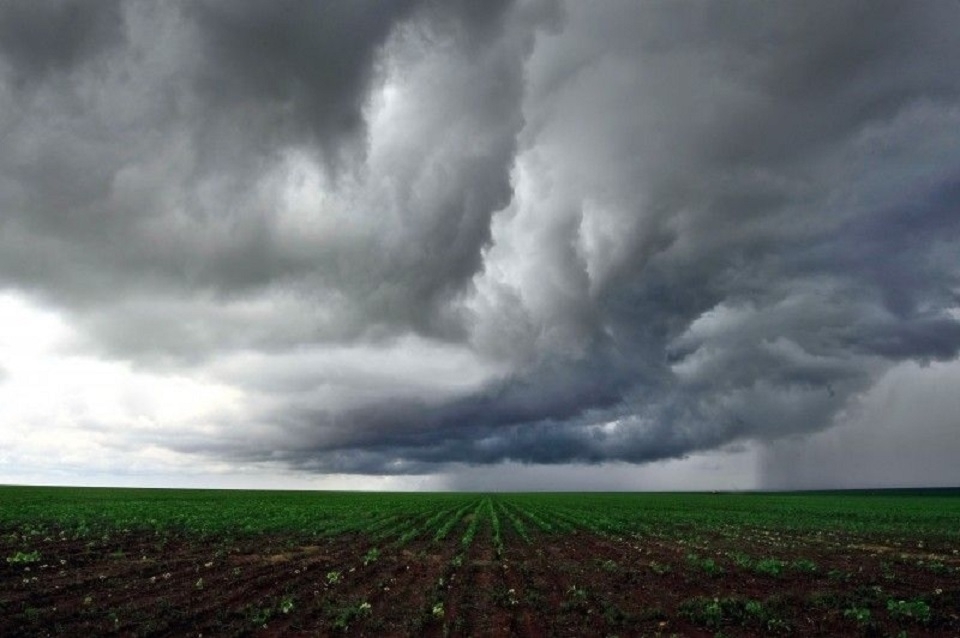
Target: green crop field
168 562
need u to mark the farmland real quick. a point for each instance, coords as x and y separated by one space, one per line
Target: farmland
175 562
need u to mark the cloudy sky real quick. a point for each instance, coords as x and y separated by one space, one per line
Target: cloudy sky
475 244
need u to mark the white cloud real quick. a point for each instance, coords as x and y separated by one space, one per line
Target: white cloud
67 412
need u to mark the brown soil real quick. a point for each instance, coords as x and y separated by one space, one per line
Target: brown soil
573 584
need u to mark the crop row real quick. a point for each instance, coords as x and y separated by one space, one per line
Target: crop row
400 518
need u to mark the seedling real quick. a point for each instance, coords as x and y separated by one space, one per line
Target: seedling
860 614
24 557
916 610
371 556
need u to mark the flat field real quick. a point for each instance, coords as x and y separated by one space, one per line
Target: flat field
86 562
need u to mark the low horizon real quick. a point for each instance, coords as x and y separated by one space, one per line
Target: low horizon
924 491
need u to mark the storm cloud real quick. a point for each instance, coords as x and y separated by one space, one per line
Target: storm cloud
398 237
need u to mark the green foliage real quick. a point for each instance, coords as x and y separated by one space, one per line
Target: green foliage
707 565
343 617
495 521
371 556
838 575
92 512
915 610
859 614
467 539
609 566
451 522
717 612
803 565
515 522
505 597
24 557
709 534
769 566
707 612
741 560
542 524
260 616
577 599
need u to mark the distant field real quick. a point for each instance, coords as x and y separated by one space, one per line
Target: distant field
178 562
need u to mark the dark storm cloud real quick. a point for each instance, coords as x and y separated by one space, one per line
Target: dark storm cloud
40 37
903 253
627 231
159 173
311 62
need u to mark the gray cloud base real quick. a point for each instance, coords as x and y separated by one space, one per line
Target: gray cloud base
640 230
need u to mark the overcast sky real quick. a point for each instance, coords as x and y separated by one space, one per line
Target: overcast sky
430 244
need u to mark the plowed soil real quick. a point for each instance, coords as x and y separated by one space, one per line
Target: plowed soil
574 583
